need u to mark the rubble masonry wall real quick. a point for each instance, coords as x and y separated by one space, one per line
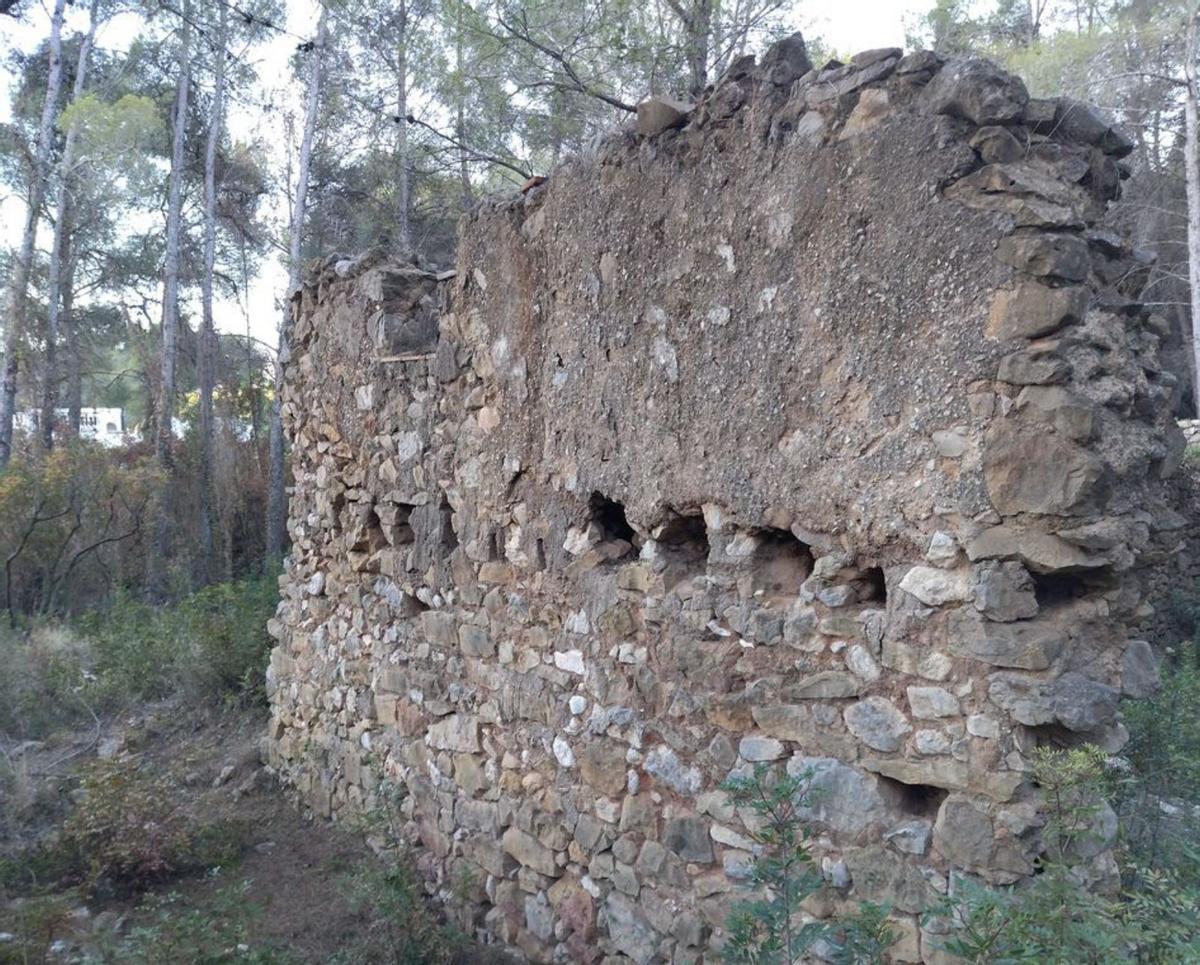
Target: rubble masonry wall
816 426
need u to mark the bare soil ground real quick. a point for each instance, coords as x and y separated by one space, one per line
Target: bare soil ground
294 867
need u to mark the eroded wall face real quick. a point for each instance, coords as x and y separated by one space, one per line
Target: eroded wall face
823 432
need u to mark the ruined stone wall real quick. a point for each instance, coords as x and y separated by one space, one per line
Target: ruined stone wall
816 426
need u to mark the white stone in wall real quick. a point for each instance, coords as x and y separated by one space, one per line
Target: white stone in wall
571 661
934 587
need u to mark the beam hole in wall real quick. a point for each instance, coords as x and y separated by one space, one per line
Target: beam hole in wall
872 586
917 800
411 606
683 541
781 563
539 558
449 537
1055 589
396 523
608 517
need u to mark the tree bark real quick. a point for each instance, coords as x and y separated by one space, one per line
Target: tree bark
403 202
157 560
17 309
207 352
276 492
74 348
460 119
170 306
1191 166
61 222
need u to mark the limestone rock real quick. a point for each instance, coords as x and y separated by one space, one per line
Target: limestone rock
785 61
976 90
843 798
529 852
1041 552
757 748
1047 255
935 587
1025 645
1139 669
458 732
911 837
826 685
879 873
602 765
1033 367
943 550
665 764
1031 310
1076 121
1082 704
688 837
1028 472
789 722
659 114
946 773
930 702
628 929
1069 413
997 145
963 834
877 723
1005 592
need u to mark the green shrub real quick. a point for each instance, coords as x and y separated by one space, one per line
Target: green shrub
210 645
33 924
1157 798
215 932
128 827
1055 918
399 927
224 631
44 681
762 930
128 830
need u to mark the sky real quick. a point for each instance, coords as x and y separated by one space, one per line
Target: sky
844 25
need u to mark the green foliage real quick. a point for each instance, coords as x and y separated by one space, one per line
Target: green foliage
864 938
34 923
399 926
216 932
44 679
210 645
128 826
761 929
69 521
1157 797
129 829
1058 918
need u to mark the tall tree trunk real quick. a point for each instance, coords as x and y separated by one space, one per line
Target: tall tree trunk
157 559
1191 170
74 347
17 310
700 39
460 119
61 222
276 493
403 203
205 567
170 306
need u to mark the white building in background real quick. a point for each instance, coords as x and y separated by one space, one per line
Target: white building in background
103 425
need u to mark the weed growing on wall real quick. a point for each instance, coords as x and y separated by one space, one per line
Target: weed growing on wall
764 929
1059 917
